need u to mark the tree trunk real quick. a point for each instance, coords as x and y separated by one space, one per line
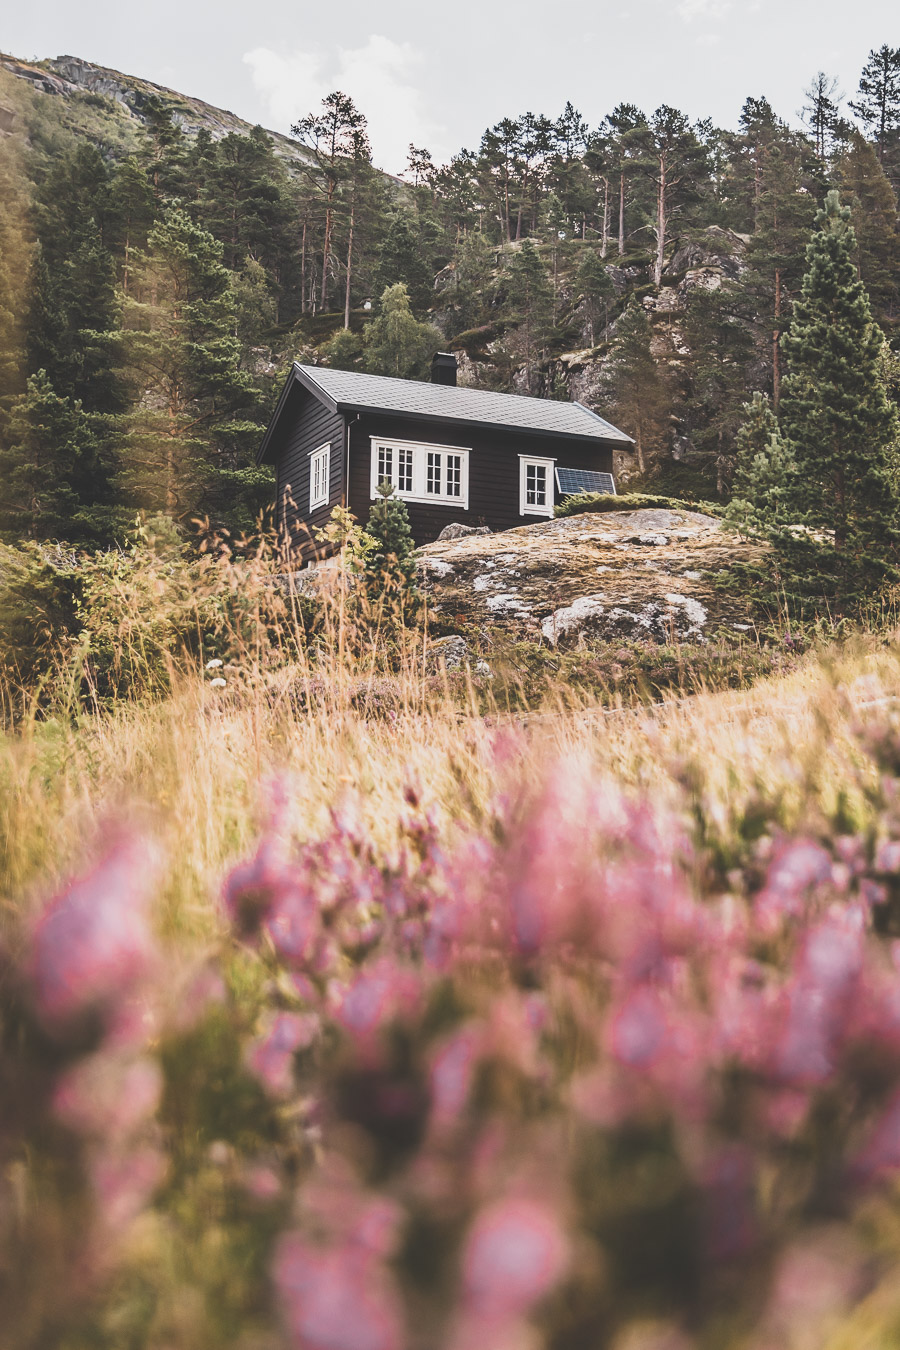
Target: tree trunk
639 446
660 222
349 263
604 242
326 247
303 268
621 213
776 341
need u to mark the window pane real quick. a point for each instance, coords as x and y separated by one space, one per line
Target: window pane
404 470
454 475
385 463
535 485
433 479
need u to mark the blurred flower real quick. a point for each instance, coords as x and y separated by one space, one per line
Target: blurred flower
217 683
271 1056
514 1253
93 945
338 1298
215 664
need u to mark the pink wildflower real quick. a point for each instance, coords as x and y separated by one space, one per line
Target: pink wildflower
452 1070
270 1057
336 1298
638 1029
93 945
514 1254
798 866
378 994
103 1097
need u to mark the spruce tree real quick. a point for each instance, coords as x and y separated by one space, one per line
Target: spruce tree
835 416
635 386
56 484
764 472
391 564
597 290
529 302
189 447
395 343
873 205
401 259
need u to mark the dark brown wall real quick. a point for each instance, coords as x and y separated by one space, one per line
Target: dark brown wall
308 424
493 471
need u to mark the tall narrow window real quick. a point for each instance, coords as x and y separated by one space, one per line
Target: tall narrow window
454 476
535 486
319 471
404 470
385 463
433 477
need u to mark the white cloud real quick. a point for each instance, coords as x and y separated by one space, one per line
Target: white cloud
378 77
702 9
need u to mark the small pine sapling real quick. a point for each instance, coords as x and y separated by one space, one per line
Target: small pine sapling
390 566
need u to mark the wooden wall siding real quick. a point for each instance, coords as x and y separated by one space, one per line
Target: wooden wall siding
309 424
493 471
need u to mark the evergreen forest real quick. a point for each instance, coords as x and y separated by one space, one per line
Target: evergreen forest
156 277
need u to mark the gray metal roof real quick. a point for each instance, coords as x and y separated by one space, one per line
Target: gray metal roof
351 390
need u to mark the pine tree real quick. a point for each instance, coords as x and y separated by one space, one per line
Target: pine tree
400 259
596 290
838 423
873 205
391 564
15 259
56 484
635 387
764 472
395 342
878 104
529 301
190 440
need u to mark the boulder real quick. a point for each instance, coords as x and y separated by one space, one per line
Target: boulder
458 531
449 653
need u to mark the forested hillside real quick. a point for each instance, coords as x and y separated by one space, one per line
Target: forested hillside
161 261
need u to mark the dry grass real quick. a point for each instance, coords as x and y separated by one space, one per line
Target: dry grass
194 768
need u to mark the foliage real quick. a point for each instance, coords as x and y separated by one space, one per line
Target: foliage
580 502
641 1041
765 472
390 565
835 416
637 389
395 343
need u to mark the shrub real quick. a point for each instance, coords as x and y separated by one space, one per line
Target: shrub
581 502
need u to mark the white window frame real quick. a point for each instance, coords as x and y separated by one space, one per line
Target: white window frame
420 452
549 465
317 458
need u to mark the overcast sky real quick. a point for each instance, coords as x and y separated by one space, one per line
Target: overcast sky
438 73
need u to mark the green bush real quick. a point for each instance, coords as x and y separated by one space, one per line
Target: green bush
583 502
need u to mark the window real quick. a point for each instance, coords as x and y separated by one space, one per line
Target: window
535 486
319 473
422 473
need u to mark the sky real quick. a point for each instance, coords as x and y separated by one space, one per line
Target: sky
438 74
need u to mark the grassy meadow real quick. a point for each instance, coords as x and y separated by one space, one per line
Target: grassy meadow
352 1002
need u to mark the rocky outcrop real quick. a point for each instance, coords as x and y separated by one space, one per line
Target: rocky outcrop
614 575
459 531
70 75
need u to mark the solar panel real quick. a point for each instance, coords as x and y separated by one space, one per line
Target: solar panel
570 481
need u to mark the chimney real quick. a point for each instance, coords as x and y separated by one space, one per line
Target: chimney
443 368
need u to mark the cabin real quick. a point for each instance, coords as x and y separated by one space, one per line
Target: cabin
454 455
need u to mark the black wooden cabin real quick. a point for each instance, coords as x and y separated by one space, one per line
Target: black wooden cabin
453 455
